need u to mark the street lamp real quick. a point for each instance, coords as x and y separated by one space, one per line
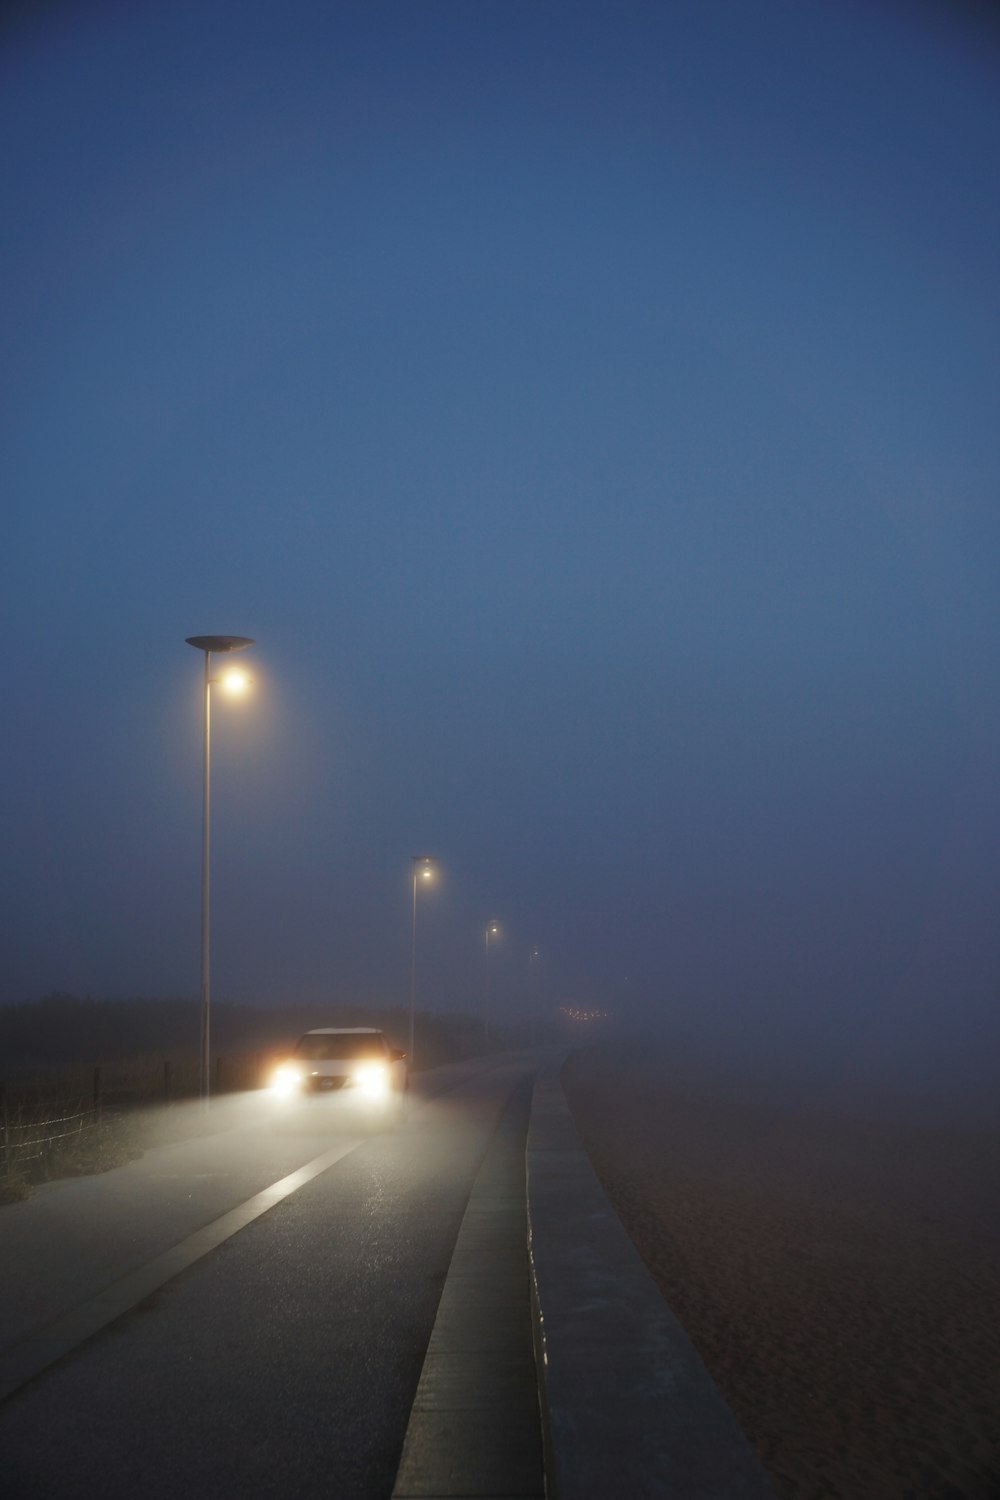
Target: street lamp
492 931
534 959
423 871
235 681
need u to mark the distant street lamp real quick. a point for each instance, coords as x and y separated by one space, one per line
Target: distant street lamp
423 870
492 931
234 681
534 991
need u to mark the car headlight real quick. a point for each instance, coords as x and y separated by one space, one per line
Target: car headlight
286 1080
372 1079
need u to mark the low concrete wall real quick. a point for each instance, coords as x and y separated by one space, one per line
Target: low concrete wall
628 1407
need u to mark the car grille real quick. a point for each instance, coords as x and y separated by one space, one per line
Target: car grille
324 1084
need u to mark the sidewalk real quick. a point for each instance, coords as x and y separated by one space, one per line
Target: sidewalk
628 1406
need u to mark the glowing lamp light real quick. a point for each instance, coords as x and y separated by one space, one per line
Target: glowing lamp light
235 681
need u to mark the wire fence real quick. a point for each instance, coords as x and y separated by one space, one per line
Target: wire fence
27 1138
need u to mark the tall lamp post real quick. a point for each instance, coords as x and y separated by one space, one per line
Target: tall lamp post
492 931
423 870
235 681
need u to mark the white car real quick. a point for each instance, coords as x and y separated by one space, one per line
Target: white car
349 1067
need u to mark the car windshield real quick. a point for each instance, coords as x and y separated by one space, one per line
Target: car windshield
316 1047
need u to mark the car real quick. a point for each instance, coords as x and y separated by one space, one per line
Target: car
349 1068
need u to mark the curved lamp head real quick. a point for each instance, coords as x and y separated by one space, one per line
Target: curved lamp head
219 642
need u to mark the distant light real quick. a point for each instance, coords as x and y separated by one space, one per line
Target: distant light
427 872
235 681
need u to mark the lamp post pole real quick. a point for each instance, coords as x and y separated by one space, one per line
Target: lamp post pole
204 1053
422 864
492 928
533 996
208 644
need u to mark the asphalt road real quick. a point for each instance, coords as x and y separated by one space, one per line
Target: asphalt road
282 1363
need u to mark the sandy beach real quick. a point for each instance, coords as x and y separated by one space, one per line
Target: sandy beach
838 1270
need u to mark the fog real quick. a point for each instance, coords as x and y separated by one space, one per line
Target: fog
591 417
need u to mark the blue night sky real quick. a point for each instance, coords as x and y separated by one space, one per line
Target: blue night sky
591 410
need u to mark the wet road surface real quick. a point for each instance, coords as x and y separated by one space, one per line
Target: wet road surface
285 1362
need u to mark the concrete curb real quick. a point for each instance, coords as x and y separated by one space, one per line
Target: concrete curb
474 1428
628 1408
